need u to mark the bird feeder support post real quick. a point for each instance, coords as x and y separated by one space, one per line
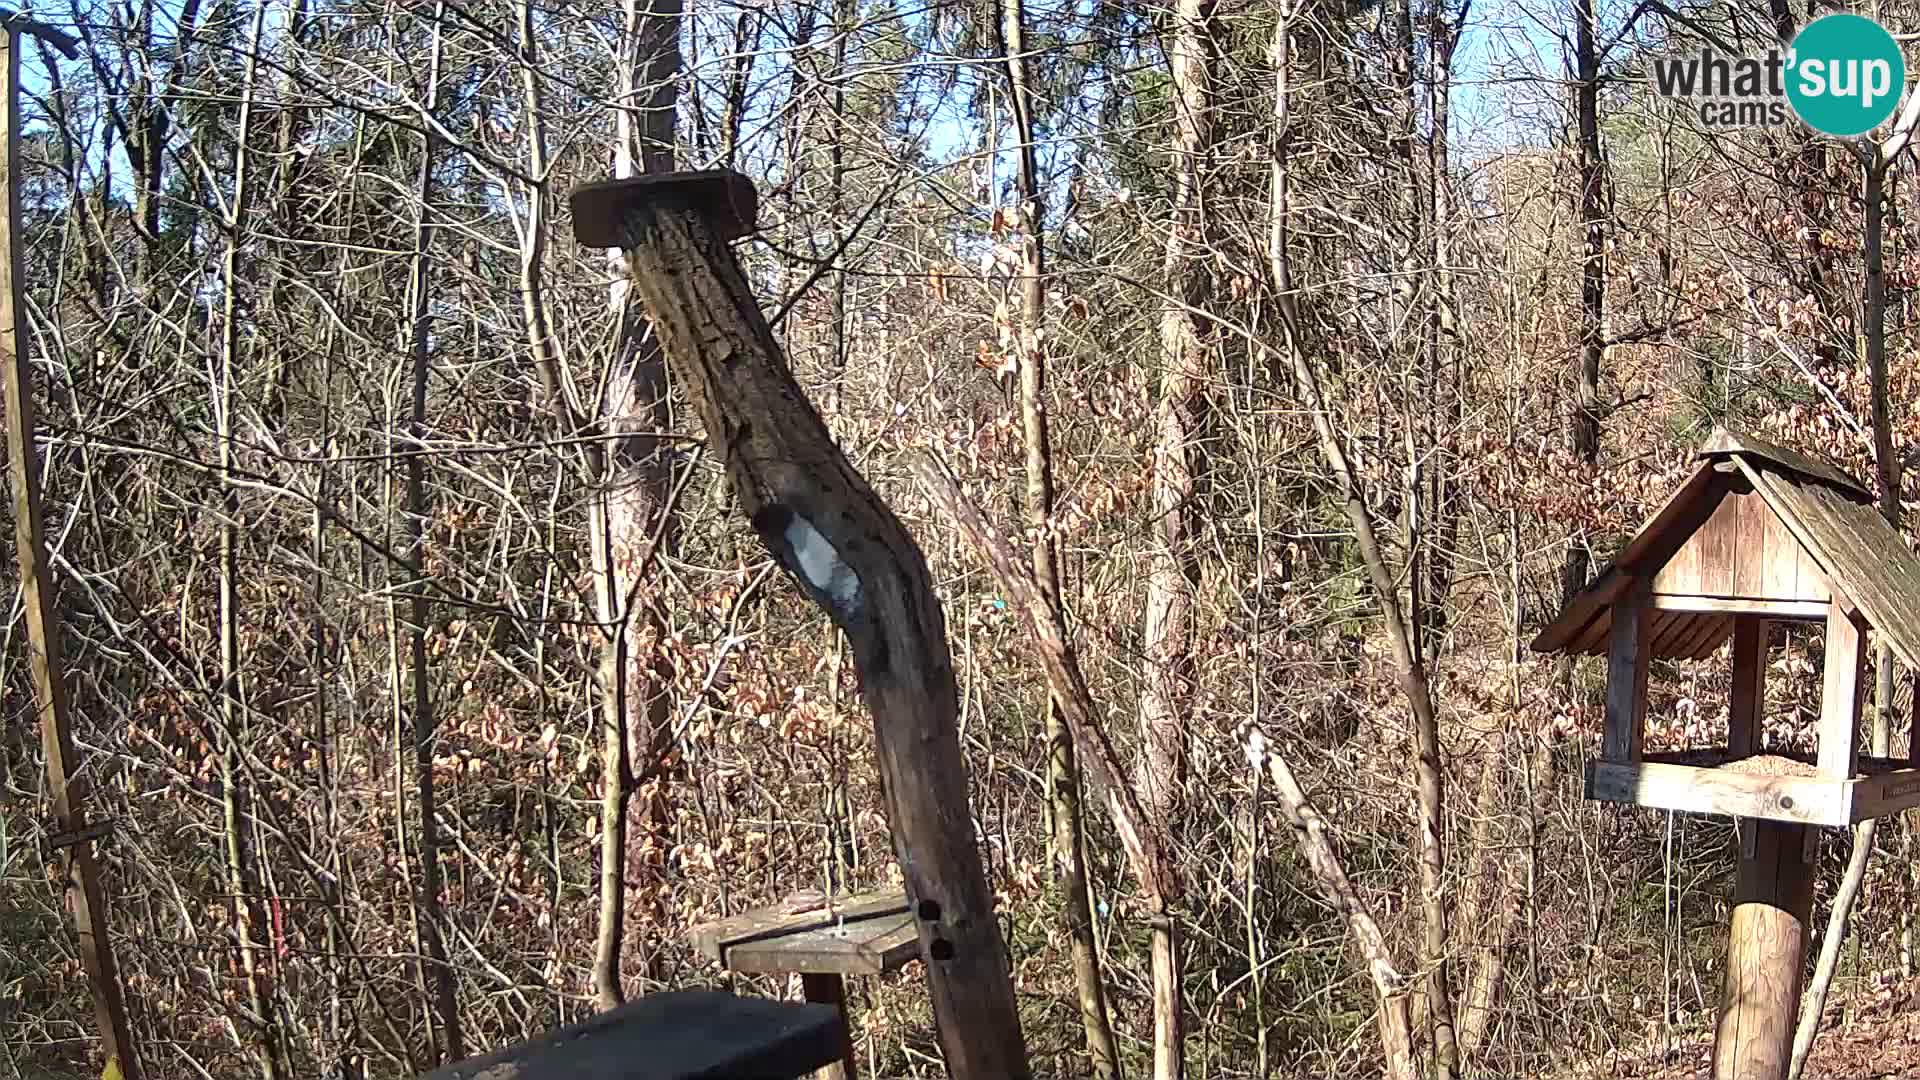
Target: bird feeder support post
829 988
1766 948
848 552
66 780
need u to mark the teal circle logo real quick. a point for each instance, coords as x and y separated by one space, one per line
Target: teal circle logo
1845 75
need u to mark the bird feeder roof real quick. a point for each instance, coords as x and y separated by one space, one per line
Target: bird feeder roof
1866 562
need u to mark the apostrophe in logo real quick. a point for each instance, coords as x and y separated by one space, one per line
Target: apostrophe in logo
1845 75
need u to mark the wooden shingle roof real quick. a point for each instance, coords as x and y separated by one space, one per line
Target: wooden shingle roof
1832 516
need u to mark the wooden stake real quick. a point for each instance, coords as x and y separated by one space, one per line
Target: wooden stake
66 785
831 989
1766 948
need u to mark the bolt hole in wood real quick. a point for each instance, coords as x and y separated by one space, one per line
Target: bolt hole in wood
929 911
941 950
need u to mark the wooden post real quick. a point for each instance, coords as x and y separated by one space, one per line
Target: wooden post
1627 654
1748 705
66 783
848 552
831 989
1840 694
1766 947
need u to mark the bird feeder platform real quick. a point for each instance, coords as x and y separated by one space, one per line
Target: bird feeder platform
821 939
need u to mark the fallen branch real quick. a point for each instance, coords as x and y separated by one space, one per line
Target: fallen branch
1315 840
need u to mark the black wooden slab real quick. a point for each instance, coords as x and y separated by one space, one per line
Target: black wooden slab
681 1035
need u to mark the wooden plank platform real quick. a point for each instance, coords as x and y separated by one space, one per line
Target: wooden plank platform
866 934
681 1035
1699 783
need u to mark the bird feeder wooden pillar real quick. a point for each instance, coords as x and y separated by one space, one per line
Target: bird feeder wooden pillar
1757 535
841 543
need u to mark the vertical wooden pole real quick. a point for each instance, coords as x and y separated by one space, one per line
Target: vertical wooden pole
830 989
1766 949
1748 704
66 786
1627 650
1840 695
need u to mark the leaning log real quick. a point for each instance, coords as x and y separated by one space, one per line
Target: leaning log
825 525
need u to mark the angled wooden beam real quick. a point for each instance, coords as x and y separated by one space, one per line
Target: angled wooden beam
845 548
66 783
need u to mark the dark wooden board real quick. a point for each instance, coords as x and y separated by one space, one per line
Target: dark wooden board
682 1035
869 934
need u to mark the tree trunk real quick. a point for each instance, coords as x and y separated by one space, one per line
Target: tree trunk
1063 776
1593 275
268 1050
446 1043
1142 838
851 555
1413 680
1315 841
630 504
1178 463
1887 467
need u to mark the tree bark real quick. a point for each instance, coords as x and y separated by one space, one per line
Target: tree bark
1412 673
1593 274
68 786
267 1049
1063 775
1316 847
1887 468
444 1030
629 505
1178 463
1141 838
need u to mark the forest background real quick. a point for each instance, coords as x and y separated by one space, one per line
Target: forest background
1314 349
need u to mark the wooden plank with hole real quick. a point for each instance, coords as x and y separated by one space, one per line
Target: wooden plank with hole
1696 790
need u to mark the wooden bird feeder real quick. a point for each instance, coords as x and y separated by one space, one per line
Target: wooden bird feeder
1758 534
868 934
